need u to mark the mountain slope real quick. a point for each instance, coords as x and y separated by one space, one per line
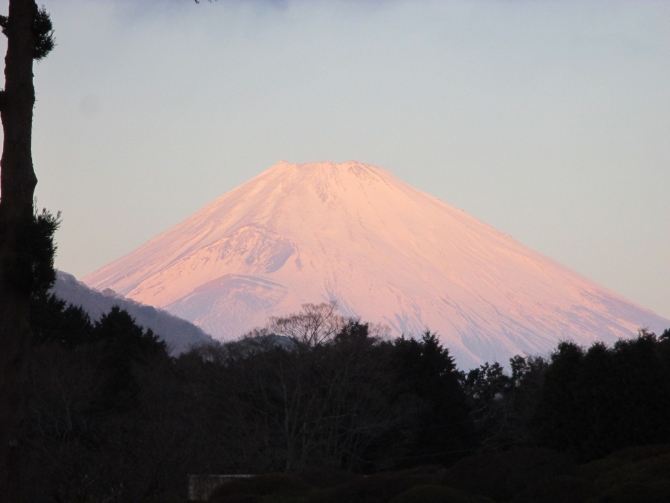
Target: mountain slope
177 333
383 250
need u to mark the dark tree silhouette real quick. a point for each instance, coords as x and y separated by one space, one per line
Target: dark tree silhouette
597 400
426 370
29 37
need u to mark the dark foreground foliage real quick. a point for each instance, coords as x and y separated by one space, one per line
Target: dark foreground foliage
335 412
586 402
640 474
115 418
350 415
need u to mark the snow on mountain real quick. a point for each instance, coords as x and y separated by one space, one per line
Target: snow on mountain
385 251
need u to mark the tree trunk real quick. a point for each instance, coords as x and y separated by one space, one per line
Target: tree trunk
17 185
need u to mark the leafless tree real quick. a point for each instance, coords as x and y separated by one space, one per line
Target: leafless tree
314 325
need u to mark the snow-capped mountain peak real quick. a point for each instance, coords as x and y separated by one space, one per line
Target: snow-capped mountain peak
385 251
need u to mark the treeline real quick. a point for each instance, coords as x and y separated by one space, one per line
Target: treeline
113 417
113 414
586 402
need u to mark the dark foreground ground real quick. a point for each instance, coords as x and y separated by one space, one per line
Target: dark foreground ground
640 474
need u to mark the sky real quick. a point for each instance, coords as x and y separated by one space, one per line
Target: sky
549 120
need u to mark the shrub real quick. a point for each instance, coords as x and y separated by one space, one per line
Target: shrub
644 471
557 490
243 490
325 479
437 494
379 488
502 475
626 476
649 491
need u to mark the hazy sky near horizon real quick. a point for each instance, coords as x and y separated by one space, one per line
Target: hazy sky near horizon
549 120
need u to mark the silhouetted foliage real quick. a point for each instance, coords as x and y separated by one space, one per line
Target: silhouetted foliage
599 400
35 274
44 34
502 475
263 485
433 493
128 341
376 488
42 30
54 321
115 418
425 370
503 405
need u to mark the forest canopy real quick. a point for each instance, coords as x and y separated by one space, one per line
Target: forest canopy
115 414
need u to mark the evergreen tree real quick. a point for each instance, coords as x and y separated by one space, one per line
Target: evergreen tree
599 400
29 37
425 369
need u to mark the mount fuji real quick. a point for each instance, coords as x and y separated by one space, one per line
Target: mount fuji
383 250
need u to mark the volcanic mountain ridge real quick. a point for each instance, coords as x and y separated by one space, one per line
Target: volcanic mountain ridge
383 250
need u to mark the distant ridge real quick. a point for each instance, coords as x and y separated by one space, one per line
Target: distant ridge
385 251
177 333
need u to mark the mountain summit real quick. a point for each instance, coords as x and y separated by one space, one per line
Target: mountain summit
385 251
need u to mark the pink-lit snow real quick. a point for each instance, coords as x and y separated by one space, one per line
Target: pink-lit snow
385 251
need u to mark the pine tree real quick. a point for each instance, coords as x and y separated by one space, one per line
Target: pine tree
29 38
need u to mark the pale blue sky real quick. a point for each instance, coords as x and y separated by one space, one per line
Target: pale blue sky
547 120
